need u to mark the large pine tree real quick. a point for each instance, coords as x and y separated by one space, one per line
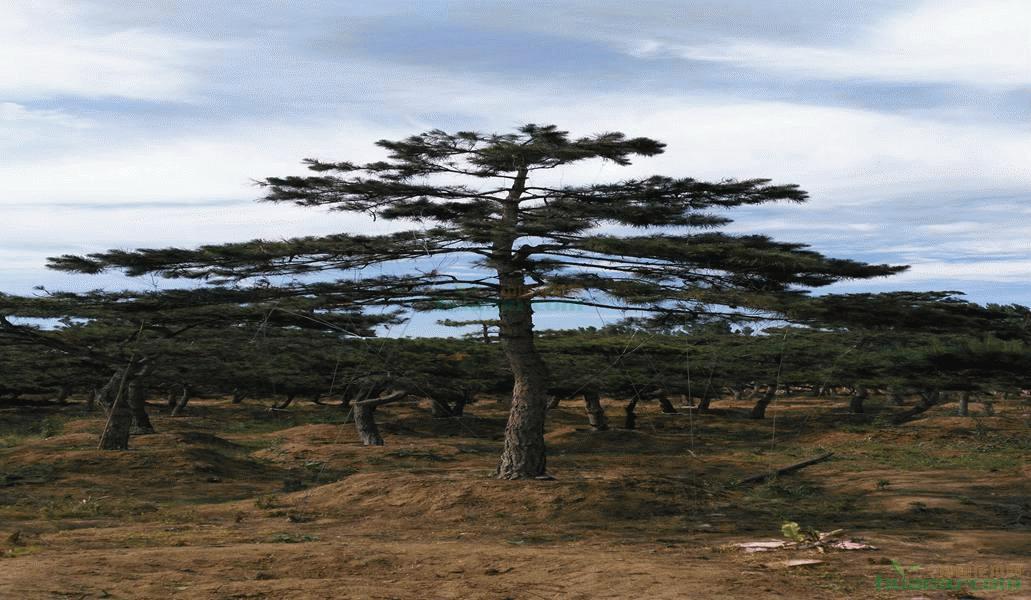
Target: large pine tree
479 197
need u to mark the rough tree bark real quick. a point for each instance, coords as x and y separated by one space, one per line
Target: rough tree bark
928 400
855 405
523 455
138 405
759 410
106 395
365 417
964 404
119 418
595 411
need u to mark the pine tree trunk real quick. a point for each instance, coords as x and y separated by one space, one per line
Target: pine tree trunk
63 393
138 404
365 417
119 419
667 406
703 404
855 405
180 406
458 408
595 411
91 400
285 403
759 410
238 396
439 408
964 404
928 400
523 455
630 421
365 424
105 396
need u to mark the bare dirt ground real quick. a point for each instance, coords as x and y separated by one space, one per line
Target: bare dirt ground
232 502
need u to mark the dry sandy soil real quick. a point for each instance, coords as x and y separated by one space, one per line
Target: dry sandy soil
233 502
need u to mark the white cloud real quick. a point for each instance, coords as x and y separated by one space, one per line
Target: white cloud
841 155
979 42
959 227
11 112
1018 270
49 49
27 133
218 165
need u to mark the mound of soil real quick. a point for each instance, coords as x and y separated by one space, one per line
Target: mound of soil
457 497
586 440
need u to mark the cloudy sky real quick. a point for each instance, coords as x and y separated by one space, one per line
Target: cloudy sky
126 124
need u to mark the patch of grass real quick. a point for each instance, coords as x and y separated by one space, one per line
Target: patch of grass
50 426
292 538
960 454
476 449
267 502
779 490
71 507
19 551
857 427
258 423
420 454
27 474
539 540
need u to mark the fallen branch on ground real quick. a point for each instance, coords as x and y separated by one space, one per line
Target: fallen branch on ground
784 470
